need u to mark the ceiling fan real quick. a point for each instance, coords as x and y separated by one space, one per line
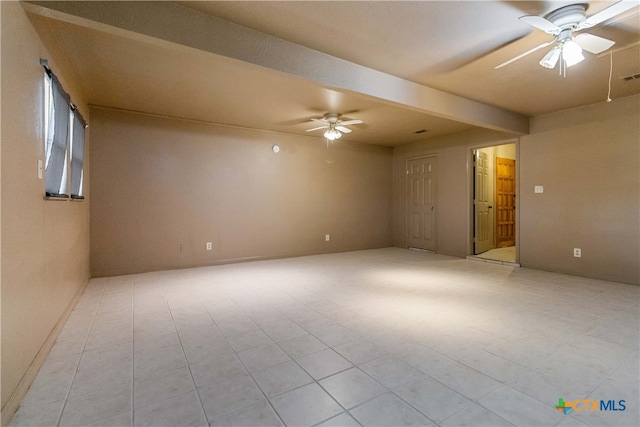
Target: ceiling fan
334 126
562 23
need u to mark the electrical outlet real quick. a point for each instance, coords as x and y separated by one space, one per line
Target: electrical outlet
327 237
577 252
538 189
209 246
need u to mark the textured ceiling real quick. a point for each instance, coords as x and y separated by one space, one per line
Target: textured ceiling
451 46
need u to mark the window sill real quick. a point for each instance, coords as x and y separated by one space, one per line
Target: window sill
61 198
64 198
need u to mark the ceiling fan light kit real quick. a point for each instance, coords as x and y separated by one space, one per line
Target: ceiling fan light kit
562 24
332 134
551 59
569 52
334 126
572 53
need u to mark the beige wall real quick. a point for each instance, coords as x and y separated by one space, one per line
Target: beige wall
162 188
506 151
587 159
45 244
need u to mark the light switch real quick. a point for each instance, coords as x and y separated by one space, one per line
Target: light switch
539 189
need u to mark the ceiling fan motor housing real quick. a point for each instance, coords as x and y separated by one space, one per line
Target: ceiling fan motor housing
565 35
332 118
568 17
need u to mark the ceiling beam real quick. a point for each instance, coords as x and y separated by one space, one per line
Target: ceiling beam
170 22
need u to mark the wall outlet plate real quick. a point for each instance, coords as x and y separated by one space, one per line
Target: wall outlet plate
577 252
209 246
538 189
327 237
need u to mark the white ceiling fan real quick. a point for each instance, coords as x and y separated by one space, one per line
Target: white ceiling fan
334 126
562 23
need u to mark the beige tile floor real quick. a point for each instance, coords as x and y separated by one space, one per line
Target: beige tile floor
379 337
507 254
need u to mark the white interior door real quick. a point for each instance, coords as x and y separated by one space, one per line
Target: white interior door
482 202
421 203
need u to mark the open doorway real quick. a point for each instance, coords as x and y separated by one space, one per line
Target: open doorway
493 202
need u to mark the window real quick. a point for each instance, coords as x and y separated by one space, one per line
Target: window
64 142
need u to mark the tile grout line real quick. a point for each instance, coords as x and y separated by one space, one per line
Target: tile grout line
426 374
316 381
75 372
184 354
240 360
291 359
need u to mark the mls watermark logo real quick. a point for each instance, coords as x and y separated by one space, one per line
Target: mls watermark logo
586 405
563 406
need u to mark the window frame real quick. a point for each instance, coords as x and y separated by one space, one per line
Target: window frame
64 133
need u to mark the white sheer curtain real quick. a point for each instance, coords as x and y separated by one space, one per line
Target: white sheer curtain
77 155
57 141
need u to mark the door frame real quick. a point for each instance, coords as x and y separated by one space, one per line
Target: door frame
407 198
470 183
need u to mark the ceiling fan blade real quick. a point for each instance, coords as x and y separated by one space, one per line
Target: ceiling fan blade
522 55
541 24
318 128
608 13
593 44
352 122
343 129
319 120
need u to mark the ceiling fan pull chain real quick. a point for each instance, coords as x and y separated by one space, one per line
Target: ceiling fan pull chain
610 74
561 62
